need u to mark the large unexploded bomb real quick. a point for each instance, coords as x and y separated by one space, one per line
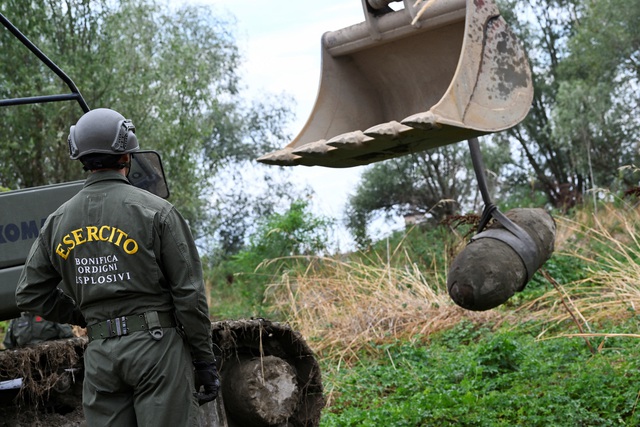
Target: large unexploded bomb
497 263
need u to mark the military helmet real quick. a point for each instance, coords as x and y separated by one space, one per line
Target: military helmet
102 131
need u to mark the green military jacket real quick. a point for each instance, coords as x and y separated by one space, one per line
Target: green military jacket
116 250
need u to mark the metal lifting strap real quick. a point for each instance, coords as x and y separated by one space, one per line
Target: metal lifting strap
517 238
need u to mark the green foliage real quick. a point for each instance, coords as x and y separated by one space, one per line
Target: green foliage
598 100
431 184
426 245
485 372
499 368
4 326
501 378
173 71
499 355
462 333
582 127
296 232
274 247
510 371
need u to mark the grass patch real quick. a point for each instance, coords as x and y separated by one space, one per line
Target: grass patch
605 281
474 376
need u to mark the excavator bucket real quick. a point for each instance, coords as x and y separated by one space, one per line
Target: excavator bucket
431 74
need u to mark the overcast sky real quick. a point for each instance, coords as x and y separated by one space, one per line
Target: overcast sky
280 42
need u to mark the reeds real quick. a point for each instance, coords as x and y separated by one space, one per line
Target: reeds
344 307
607 243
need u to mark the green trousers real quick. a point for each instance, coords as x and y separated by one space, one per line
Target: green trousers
135 380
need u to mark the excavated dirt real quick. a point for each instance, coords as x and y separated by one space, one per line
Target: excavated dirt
51 394
41 418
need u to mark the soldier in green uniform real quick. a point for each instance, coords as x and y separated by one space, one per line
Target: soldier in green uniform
122 262
29 329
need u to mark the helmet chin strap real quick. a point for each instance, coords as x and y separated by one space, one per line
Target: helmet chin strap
116 166
107 163
126 165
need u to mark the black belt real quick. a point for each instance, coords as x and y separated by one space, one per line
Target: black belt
151 321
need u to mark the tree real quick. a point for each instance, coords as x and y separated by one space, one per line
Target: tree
274 245
580 132
599 97
431 185
173 72
580 129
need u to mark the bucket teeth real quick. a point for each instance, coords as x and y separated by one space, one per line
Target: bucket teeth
317 148
389 130
380 142
349 140
282 157
425 121
407 81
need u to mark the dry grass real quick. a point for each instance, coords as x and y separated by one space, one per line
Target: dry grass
343 307
41 366
607 243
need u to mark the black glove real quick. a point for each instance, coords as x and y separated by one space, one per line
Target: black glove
206 377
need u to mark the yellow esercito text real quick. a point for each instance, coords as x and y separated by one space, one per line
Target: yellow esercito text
92 233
